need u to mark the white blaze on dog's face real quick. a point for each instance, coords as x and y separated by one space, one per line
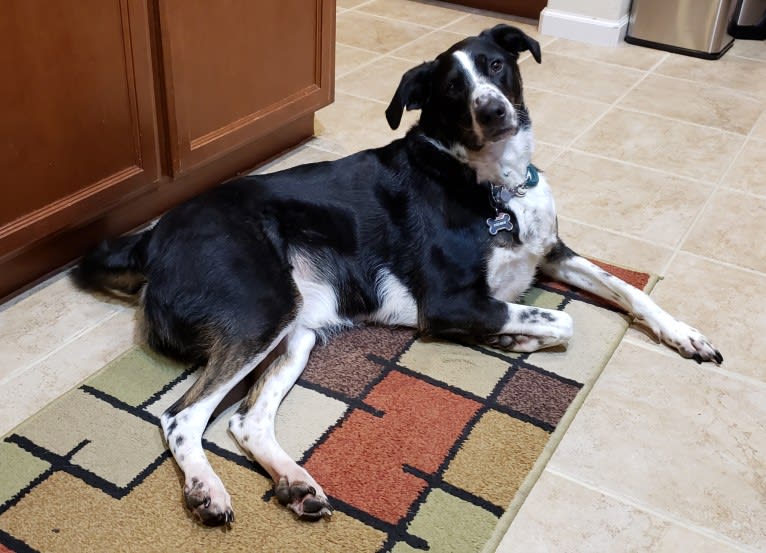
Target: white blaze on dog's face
492 113
471 95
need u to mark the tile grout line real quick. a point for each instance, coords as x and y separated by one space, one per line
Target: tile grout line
665 351
323 150
76 336
595 60
734 91
654 511
611 106
692 180
753 195
718 185
621 233
727 264
683 121
33 290
395 20
748 58
361 97
353 8
431 30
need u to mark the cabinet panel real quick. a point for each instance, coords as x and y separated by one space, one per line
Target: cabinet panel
78 125
114 111
235 69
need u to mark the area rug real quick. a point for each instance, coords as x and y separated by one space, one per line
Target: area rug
421 445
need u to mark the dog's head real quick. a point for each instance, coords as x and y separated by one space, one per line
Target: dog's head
470 95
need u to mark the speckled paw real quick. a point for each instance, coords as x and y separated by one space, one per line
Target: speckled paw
205 506
303 499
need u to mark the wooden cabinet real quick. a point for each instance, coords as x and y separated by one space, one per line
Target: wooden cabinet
217 100
111 111
78 122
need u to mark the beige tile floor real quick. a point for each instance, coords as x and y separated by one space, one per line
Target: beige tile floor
659 164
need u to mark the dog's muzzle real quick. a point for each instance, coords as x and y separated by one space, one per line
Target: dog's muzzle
495 115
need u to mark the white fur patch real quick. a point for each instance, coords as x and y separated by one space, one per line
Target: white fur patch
504 162
397 305
319 309
510 271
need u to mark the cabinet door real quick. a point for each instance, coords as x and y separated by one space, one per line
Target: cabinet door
78 126
237 69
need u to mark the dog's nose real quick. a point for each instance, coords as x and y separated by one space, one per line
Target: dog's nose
489 109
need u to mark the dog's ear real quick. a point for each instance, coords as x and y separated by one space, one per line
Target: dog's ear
514 40
412 93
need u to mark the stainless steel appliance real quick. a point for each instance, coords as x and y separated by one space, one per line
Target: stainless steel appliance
749 20
692 27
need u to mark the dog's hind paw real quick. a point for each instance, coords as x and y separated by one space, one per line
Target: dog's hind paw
209 507
303 499
690 343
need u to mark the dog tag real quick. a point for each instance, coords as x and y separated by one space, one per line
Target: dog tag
501 222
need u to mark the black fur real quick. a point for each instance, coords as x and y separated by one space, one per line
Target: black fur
218 267
219 263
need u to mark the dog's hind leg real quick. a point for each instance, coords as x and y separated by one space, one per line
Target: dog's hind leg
253 427
184 422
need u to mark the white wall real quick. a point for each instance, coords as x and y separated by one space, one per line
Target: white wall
605 9
602 22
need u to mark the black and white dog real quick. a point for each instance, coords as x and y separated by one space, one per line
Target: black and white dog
441 230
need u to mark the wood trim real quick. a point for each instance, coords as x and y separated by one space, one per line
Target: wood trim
136 22
29 266
325 61
95 199
522 8
252 118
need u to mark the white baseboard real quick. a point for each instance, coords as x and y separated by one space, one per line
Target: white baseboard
593 30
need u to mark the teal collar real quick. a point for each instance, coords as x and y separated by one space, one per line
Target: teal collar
533 176
502 195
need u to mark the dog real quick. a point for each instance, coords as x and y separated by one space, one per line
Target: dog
442 230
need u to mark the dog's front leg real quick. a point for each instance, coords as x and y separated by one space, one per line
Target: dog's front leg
508 326
566 266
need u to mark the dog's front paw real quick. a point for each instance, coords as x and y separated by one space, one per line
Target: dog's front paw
690 343
208 502
521 343
303 499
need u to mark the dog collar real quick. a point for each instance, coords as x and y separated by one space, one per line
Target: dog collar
500 196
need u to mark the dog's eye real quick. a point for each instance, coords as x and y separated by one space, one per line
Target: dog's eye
496 66
452 85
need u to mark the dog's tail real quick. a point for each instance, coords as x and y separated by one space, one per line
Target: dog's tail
116 265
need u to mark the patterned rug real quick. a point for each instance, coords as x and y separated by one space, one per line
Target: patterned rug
420 444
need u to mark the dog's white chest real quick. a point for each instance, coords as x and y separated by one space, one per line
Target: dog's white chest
511 269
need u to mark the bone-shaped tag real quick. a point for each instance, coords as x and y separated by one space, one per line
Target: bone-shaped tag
501 222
